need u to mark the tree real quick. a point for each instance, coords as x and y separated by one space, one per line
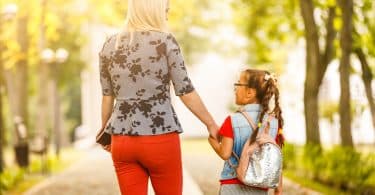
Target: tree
367 79
2 125
316 66
44 26
363 47
346 49
23 65
278 28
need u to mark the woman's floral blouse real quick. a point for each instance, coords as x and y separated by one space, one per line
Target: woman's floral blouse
138 75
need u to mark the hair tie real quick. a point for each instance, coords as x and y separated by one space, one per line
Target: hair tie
270 76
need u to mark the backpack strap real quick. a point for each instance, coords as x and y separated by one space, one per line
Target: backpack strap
252 124
238 160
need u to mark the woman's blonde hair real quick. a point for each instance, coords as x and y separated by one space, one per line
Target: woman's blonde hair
145 15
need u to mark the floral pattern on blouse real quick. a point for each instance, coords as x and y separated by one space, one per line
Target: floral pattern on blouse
138 74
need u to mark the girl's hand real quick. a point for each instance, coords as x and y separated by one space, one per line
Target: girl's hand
278 192
107 148
212 139
262 139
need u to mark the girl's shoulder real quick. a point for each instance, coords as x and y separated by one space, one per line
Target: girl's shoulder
239 120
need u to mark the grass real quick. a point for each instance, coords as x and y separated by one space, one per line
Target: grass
307 183
18 180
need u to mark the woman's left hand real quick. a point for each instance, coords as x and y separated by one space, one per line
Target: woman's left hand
213 130
107 148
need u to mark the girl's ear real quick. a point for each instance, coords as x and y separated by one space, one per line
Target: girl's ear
251 93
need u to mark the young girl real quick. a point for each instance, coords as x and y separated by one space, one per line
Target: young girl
253 91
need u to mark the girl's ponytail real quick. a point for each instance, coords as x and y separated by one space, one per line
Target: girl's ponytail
265 85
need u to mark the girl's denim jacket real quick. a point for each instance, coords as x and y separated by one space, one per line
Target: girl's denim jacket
241 132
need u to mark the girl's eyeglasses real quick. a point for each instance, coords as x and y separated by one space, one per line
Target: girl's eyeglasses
240 84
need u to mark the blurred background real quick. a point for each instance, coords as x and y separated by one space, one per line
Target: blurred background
322 51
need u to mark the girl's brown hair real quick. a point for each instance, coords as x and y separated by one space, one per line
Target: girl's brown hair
266 88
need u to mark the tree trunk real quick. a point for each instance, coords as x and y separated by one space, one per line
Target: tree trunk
367 79
2 125
312 70
22 69
11 88
346 48
41 123
16 80
329 46
2 133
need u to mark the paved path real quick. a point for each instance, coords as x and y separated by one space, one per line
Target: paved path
94 175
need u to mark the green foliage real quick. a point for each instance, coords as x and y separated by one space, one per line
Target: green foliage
63 26
272 27
313 160
107 12
347 169
183 17
342 168
10 177
16 180
329 108
364 24
289 156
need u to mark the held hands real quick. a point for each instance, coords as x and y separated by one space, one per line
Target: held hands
213 130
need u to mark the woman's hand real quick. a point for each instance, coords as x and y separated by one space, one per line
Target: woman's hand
107 148
213 130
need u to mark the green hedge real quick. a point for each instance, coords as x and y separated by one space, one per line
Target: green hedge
341 168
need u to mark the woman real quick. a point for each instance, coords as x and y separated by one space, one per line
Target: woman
136 67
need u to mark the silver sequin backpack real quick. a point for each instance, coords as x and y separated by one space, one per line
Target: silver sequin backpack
260 165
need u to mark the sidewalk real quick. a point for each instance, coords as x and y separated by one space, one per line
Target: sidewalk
94 175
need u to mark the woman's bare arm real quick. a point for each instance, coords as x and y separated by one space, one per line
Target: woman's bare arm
194 103
107 106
